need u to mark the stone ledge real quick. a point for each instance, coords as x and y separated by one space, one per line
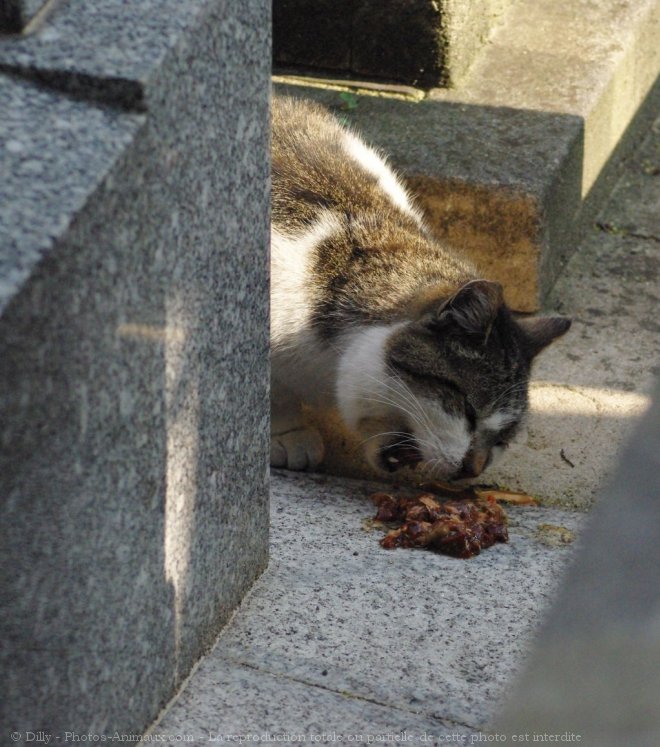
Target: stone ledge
108 50
534 129
56 152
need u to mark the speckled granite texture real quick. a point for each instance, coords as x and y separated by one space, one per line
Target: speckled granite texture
424 642
133 367
108 50
227 698
54 152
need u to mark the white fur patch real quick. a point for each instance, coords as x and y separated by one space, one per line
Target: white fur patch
291 257
447 437
497 421
366 390
375 165
361 376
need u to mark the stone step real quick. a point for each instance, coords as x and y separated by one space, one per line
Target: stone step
133 351
512 163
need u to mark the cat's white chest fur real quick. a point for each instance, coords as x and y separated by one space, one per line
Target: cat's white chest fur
299 362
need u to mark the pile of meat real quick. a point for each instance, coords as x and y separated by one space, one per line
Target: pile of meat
458 527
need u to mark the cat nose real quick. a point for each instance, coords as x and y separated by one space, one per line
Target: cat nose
474 463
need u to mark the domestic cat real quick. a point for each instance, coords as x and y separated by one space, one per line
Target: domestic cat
370 314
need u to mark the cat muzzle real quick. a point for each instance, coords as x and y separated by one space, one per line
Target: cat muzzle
402 451
474 463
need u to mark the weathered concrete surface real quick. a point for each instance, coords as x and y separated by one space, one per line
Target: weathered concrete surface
595 669
133 353
512 164
468 28
551 65
633 212
430 639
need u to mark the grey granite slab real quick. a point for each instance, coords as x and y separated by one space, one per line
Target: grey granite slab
16 14
133 369
107 50
410 630
230 702
595 670
54 152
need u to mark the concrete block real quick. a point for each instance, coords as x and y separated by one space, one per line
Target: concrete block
595 668
467 29
486 178
15 15
133 353
426 636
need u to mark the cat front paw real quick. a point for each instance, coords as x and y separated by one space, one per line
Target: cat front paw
297 449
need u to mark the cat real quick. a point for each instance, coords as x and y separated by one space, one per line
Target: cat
369 314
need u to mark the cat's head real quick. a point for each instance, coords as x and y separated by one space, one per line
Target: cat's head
449 388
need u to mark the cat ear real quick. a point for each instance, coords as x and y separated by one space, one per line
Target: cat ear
473 308
541 331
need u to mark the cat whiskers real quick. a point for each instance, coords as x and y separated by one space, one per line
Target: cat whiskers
393 392
405 438
416 414
430 443
517 386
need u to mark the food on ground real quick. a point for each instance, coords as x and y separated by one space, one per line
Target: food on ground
458 527
446 490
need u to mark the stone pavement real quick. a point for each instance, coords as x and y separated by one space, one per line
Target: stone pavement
430 639
341 640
